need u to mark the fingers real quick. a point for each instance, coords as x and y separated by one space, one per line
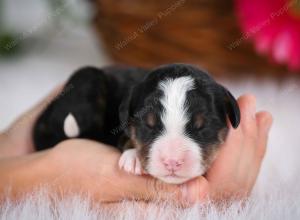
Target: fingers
237 166
247 104
150 189
264 122
23 126
247 127
195 190
29 117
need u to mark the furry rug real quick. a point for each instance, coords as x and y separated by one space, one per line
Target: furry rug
276 194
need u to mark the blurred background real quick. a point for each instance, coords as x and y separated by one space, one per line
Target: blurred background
43 41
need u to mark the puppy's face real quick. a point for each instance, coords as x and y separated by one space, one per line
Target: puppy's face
177 119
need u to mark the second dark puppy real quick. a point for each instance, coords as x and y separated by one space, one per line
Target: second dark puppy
169 121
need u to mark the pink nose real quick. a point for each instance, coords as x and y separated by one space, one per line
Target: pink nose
172 165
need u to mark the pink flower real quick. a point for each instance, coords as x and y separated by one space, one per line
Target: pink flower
274 27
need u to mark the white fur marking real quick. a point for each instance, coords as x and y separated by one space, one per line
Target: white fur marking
71 127
130 162
174 143
174 116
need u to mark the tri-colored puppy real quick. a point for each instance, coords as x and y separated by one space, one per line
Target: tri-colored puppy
168 122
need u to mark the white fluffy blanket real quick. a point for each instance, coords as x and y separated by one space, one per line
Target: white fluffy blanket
276 194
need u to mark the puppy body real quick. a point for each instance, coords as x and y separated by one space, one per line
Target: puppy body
89 104
171 120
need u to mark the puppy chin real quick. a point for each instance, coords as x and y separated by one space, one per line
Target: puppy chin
173 179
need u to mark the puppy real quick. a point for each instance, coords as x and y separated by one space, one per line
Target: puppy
171 119
88 107
177 119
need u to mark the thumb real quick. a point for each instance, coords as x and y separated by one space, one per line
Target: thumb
264 122
26 120
151 189
19 133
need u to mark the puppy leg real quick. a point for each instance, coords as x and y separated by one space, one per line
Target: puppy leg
79 111
130 162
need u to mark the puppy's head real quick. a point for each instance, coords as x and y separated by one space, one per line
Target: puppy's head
177 118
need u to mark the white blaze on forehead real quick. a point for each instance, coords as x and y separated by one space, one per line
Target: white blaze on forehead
174 144
174 116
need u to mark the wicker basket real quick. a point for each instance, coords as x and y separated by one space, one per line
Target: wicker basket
149 33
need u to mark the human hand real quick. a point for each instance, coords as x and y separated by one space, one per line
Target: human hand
94 166
89 167
17 139
72 166
235 170
233 173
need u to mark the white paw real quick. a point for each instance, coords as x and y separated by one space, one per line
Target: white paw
130 162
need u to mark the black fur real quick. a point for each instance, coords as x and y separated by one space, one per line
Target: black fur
208 98
106 102
93 96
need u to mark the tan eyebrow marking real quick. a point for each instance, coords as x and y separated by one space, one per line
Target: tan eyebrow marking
151 119
198 120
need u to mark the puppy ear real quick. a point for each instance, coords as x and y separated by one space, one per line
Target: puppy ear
232 109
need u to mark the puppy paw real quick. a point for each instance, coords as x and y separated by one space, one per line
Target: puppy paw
130 162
